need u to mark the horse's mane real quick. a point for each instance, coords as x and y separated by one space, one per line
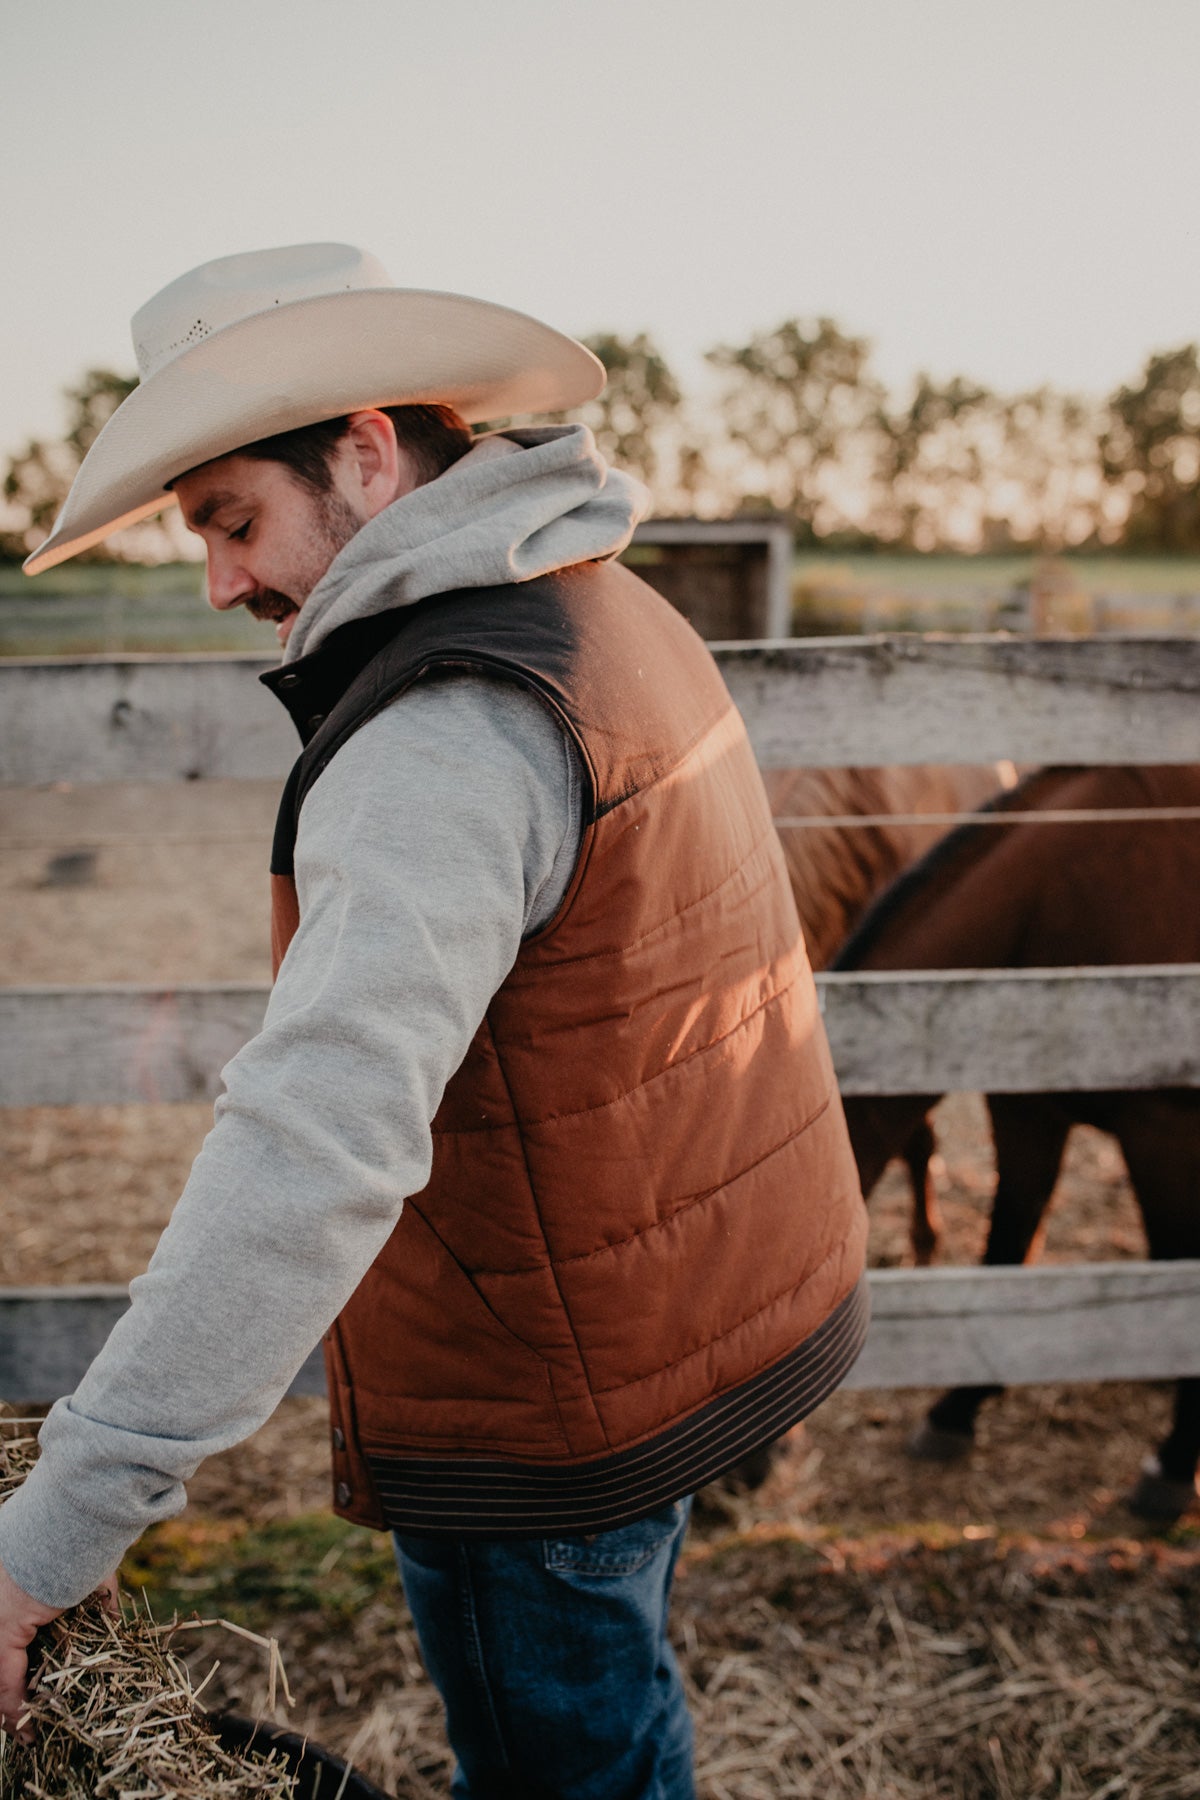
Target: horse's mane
835 872
964 843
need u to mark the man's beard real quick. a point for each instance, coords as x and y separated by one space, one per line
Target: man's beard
334 523
268 604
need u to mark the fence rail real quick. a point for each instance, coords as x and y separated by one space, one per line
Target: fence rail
1003 1032
928 1327
822 702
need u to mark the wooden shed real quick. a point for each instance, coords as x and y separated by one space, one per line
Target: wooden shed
731 578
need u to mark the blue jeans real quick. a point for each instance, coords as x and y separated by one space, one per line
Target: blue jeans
552 1660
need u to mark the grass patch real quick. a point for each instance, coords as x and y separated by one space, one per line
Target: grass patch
255 1573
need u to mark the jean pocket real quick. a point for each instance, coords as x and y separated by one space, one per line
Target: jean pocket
620 1552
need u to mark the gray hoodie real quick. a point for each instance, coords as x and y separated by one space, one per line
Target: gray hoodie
444 832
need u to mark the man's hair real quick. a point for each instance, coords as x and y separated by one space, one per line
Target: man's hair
434 437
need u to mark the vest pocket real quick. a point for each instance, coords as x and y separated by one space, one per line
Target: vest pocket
433 1366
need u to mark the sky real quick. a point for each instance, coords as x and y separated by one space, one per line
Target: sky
1007 189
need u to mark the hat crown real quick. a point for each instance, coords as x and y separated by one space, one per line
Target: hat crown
222 293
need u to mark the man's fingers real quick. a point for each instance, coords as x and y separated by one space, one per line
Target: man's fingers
21 1617
14 1664
17 1631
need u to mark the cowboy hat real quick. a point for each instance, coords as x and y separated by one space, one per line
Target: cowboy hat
251 345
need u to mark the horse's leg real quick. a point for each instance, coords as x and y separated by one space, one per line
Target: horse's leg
1029 1131
880 1127
1160 1138
926 1230
1166 1486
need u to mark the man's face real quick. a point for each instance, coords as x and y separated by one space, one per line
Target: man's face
269 537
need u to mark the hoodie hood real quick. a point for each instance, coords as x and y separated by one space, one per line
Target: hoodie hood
520 503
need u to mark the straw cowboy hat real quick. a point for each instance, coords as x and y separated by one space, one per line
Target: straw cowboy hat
251 345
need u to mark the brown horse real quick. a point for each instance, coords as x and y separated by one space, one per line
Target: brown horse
1052 895
837 870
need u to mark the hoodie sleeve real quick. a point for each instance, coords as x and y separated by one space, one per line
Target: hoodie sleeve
438 837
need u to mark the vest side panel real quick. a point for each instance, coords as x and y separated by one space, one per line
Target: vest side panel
355 1496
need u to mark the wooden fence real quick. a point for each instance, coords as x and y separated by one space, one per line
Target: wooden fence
841 702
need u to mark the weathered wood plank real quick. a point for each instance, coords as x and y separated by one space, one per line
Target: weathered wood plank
140 718
49 1335
930 1327
1014 1031
1005 1031
97 1046
1082 1322
809 702
930 699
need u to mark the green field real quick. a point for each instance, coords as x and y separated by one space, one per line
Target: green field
986 593
84 609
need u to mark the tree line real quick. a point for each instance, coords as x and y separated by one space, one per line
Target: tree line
798 424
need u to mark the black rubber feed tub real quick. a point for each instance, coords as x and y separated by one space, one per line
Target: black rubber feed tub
322 1775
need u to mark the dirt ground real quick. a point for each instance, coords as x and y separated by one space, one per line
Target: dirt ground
828 1621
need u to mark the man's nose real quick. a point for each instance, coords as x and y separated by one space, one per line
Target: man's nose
228 583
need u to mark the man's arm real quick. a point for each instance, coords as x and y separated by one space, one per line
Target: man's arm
443 831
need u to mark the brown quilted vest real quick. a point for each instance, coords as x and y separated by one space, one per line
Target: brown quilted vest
639 1252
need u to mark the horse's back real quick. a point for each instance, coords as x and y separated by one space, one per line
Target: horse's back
1052 893
836 870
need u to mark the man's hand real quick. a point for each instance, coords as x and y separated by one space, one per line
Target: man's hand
21 1616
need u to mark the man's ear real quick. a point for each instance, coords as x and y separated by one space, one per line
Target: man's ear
378 468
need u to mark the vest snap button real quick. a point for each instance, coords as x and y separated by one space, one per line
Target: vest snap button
339 1438
316 720
290 680
342 1494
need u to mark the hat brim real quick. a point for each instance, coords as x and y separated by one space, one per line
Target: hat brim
313 359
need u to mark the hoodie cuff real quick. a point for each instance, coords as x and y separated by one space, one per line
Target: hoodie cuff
51 1547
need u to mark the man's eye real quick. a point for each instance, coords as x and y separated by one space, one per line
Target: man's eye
241 531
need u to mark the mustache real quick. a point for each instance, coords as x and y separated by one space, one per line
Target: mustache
268 603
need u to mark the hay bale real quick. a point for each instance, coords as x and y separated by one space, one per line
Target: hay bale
113 1709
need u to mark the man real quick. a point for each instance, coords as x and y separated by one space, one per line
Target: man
541 1131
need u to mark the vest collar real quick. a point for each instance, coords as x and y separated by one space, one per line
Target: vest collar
311 687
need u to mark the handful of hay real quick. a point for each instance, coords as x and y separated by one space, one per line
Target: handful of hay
114 1712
